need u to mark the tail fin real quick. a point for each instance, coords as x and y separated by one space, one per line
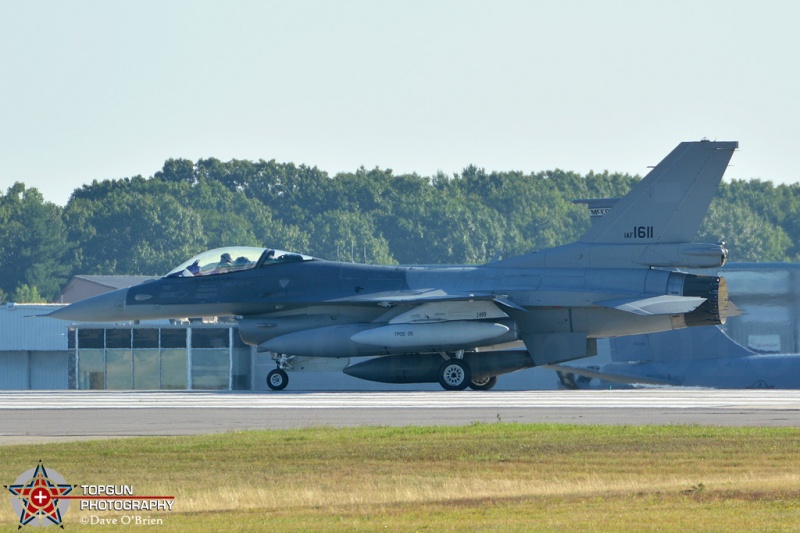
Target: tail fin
669 204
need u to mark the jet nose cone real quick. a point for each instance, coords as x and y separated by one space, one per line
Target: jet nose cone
103 308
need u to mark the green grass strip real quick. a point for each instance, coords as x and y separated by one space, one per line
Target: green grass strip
484 477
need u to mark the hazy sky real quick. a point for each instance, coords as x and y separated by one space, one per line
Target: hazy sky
109 89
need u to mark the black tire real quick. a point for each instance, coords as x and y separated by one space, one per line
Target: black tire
486 383
454 374
277 379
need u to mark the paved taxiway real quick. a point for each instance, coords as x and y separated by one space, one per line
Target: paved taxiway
37 416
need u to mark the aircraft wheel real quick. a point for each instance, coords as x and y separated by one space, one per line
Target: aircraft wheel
277 379
454 374
486 383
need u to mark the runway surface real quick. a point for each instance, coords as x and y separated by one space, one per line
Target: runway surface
43 416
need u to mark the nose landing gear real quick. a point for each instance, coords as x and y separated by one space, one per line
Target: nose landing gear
278 379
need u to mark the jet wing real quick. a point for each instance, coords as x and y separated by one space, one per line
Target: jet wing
426 296
639 304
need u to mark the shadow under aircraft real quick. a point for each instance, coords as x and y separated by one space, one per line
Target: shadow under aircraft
687 358
463 326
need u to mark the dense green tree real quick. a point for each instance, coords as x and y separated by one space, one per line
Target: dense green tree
231 218
143 225
133 233
33 241
348 236
27 294
177 171
405 221
455 231
149 226
747 236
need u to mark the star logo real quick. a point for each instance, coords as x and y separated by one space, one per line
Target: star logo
36 497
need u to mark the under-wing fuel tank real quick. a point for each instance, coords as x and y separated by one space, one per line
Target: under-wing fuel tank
353 340
415 368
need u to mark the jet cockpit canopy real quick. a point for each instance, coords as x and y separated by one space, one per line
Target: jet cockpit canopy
232 259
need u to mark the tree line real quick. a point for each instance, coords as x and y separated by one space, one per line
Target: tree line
146 226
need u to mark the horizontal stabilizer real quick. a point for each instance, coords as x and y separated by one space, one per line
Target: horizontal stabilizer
678 346
656 305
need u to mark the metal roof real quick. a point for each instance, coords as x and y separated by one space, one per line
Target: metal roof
116 282
23 329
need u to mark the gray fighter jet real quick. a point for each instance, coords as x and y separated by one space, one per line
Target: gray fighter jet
464 325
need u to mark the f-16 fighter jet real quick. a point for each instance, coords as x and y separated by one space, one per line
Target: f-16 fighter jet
464 325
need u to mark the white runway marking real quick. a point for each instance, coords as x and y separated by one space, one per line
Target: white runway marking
38 416
622 399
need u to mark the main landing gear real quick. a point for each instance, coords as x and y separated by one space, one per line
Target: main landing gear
278 379
455 374
486 383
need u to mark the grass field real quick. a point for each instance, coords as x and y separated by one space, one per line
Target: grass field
485 477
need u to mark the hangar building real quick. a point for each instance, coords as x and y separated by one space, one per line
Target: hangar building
45 353
33 351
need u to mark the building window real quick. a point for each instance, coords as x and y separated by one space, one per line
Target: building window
153 358
118 338
210 368
210 337
145 338
146 372
91 369
91 338
173 368
119 372
173 338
